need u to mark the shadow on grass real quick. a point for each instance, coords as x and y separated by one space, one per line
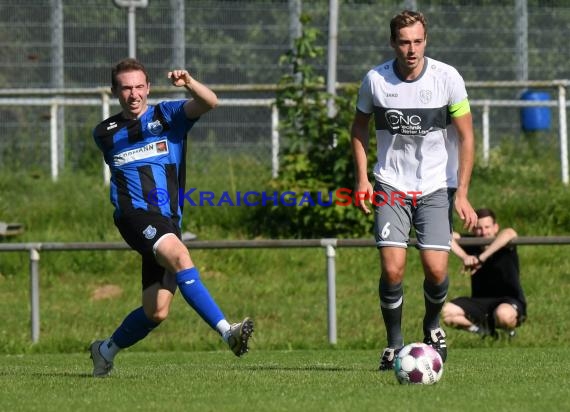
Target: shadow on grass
306 368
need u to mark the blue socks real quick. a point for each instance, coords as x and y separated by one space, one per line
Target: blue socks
134 328
136 325
198 297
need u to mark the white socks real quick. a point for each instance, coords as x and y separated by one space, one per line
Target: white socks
108 349
223 327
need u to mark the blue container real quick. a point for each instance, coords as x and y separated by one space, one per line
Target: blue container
535 118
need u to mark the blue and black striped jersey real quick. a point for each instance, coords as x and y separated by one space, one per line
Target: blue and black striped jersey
146 157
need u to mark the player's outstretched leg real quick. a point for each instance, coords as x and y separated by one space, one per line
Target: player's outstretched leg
135 327
238 336
198 297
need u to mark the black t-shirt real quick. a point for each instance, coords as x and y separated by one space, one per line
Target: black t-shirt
499 275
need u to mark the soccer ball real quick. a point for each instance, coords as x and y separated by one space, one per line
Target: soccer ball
418 363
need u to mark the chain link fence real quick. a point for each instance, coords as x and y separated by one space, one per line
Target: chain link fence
71 44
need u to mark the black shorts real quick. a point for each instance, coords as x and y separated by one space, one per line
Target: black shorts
480 310
141 230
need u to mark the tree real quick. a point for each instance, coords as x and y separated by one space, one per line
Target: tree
316 163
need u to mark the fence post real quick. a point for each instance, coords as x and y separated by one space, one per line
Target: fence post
274 141
563 132
486 136
330 245
53 142
35 293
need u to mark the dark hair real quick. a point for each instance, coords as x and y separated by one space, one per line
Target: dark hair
484 212
127 65
404 19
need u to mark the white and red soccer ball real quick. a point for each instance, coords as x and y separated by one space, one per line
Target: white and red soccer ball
418 363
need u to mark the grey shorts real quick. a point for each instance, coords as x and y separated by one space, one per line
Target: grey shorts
430 216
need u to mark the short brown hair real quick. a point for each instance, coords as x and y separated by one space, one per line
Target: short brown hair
127 65
485 212
405 19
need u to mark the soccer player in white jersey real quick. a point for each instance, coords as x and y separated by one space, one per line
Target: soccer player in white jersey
425 148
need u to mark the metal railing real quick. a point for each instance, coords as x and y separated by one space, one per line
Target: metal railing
330 246
561 102
104 101
55 98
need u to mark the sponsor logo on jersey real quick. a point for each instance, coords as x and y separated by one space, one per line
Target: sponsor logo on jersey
403 123
411 121
155 127
112 125
149 232
162 147
144 152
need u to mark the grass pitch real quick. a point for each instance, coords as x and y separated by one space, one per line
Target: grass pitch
507 379
184 366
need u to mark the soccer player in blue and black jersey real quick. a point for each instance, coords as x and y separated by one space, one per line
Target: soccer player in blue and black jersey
145 148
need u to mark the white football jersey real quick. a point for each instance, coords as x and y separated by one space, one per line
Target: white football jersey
417 147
